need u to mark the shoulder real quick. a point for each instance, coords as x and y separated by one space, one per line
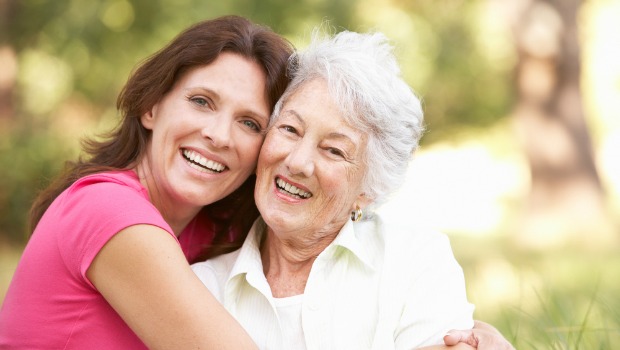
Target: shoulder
95 208
108 193
109 182
401 235
98 206
214 273
221 264
408 246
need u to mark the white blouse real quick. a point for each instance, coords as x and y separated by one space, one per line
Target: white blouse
376 286
289 313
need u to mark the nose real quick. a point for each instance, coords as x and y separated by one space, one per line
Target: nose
217 130
300 160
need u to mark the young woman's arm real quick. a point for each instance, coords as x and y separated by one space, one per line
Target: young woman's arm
143 274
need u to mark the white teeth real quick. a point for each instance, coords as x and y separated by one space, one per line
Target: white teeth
201 163
285 186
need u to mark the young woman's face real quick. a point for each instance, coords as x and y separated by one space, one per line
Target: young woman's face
310 169
206 133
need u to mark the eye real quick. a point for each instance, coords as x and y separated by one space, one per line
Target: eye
336 152
252 125
201 101
289 129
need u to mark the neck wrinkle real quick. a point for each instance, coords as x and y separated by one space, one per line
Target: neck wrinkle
287 265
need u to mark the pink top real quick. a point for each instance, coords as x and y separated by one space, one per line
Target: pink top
50 302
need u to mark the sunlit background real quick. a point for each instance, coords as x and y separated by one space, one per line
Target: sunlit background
520 165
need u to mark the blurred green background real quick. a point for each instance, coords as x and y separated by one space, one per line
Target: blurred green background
520 164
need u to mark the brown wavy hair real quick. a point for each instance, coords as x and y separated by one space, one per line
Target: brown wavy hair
122 147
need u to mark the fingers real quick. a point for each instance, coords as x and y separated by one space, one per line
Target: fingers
482 339
489 337
461 336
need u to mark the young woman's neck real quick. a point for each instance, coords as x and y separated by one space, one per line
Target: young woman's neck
176 216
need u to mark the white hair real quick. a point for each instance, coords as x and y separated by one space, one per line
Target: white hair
365 81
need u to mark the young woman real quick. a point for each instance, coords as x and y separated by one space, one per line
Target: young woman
107 263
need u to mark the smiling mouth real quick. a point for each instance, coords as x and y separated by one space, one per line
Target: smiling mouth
201 163
287 188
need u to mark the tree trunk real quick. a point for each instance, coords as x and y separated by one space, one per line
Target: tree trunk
566 201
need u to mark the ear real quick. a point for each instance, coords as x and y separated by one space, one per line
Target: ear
148 118
362 201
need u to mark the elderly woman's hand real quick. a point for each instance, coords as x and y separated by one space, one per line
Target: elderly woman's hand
483 336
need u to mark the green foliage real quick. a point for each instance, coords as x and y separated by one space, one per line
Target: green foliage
71 50
468 89
79 53
29 158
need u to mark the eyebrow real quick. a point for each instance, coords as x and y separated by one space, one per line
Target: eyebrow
212 92
296 115
339 136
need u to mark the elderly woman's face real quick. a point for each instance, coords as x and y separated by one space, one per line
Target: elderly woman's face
310 167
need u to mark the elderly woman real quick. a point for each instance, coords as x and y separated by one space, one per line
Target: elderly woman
319 270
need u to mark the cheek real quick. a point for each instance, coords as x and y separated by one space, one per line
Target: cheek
249 155
266 162
332 184
268 151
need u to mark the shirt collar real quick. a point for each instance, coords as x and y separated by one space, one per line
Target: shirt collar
248 263
249 260
349 238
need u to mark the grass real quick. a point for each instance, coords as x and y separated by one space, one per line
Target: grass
563 299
